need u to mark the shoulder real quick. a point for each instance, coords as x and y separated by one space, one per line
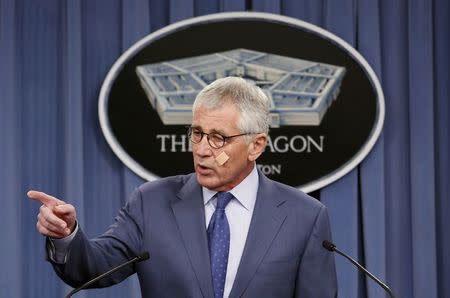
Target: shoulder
304 214
293 197
162 190
171 183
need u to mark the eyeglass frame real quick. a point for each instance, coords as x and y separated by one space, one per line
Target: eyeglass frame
225 138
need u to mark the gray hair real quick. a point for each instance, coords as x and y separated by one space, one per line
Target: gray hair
250 100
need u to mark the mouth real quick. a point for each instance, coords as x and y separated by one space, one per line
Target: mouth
203 170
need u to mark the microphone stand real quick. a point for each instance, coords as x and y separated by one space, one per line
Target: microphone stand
331 247
142 257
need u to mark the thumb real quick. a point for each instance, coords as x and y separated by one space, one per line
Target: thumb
64 210
67 213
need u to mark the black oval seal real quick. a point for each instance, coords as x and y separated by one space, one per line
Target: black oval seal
328 106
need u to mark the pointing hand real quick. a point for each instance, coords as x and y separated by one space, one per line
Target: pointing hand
56 218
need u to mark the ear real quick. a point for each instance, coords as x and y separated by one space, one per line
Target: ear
257 146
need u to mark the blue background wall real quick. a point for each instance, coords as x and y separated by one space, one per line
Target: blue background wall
390 211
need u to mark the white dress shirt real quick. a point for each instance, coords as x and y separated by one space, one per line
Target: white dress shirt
239 213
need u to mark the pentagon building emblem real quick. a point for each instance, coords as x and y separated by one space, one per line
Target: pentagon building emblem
300 91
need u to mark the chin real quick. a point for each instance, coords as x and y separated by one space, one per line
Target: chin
208 182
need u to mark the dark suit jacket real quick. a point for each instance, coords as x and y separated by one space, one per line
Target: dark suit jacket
283 254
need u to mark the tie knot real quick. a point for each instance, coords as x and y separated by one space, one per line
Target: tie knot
223 198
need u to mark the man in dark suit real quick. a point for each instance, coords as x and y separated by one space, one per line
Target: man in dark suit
224 231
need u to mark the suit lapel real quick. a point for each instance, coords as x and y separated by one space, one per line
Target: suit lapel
189 213
266 221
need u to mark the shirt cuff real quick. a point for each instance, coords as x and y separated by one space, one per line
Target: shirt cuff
58 248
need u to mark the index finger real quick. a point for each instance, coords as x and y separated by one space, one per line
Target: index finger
44 198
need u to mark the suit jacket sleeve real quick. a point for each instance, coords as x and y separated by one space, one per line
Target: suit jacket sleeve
121 242
317 274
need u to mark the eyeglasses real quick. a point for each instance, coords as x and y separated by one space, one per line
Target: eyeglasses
215 139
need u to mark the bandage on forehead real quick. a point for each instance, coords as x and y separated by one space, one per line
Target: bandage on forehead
222 158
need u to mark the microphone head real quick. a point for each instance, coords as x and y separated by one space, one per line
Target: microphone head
143 256
329 245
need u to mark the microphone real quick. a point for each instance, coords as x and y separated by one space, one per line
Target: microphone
332 247
142 257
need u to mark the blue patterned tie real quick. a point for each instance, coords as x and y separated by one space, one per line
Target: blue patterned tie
219 243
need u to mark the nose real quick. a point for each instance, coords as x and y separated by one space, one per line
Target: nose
202 148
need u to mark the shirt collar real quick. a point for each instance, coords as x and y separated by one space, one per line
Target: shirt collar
245 192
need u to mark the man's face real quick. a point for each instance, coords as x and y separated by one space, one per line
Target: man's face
209 173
